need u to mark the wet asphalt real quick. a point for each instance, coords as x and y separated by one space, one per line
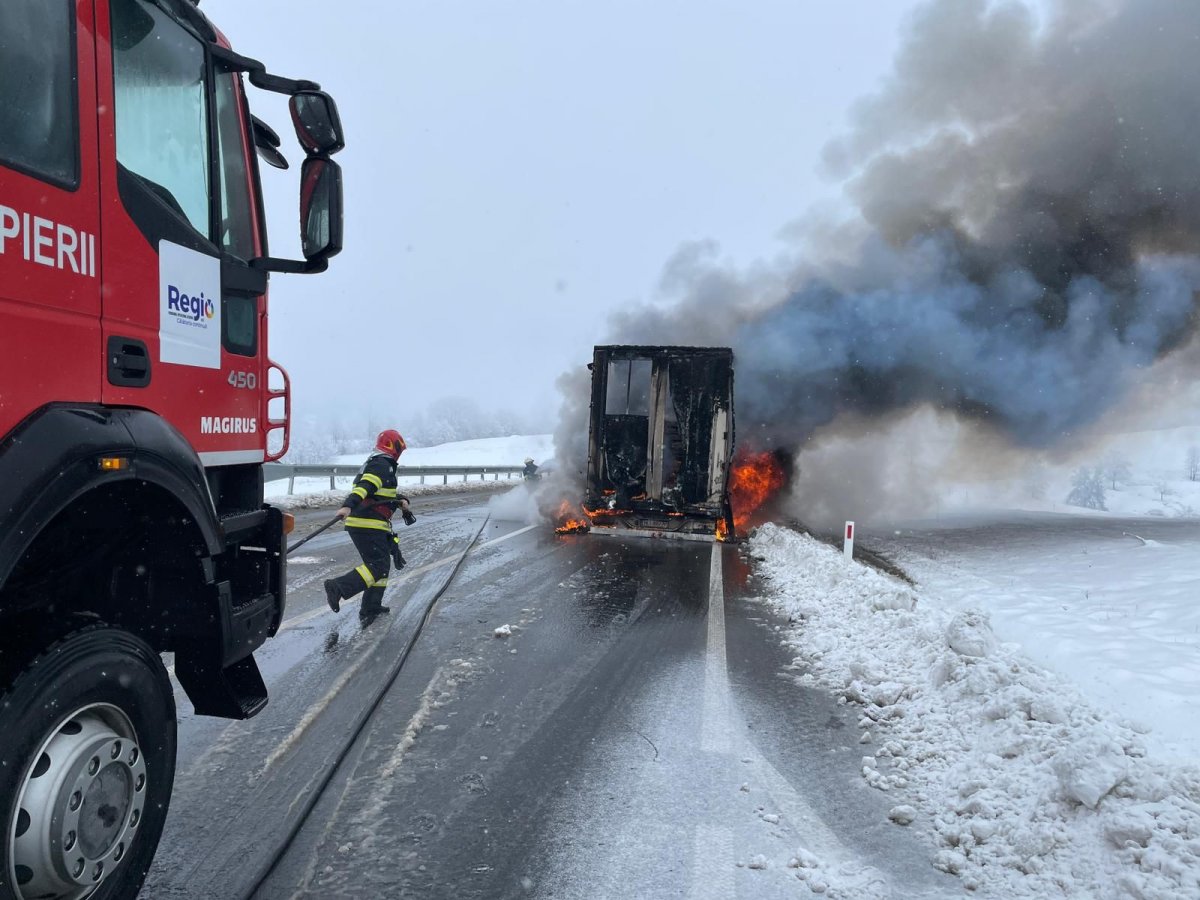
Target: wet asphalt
631 736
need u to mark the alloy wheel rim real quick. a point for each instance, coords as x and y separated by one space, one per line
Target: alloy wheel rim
79 806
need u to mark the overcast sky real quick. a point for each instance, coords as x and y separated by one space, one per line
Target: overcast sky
515 172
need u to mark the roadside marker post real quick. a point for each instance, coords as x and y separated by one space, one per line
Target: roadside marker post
848 541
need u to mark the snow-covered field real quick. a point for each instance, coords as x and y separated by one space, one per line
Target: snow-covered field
1111 605
507 451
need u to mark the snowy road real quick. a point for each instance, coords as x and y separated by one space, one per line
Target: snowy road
633 736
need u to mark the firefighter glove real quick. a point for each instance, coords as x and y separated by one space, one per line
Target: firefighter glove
397 556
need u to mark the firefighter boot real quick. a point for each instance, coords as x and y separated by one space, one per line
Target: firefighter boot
333 596
367 616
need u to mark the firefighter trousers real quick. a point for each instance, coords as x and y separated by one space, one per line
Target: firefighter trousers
374 545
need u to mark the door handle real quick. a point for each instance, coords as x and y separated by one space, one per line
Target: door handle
128 362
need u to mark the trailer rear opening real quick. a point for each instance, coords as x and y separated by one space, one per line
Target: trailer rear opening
660 441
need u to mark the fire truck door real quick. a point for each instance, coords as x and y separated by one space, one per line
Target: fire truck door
180 224
49 207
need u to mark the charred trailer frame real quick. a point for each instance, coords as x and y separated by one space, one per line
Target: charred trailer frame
660 441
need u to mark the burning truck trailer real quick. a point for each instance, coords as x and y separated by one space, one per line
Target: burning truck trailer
660 442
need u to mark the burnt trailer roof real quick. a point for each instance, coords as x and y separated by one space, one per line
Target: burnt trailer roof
651 351
661 438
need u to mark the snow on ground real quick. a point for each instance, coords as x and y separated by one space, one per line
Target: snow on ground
1115 612
1027 788
1141 497
1156 483
507 451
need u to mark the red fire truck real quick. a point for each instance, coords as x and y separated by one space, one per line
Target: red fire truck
136 403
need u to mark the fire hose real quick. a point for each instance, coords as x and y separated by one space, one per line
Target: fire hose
305 540
268 866
406 514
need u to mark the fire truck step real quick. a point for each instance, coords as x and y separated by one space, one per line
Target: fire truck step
234 692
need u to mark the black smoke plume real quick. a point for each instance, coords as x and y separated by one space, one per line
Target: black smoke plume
1029 195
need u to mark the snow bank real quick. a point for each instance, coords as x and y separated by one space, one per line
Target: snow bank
1028 791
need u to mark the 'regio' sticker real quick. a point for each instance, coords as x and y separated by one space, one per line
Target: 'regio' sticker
189 307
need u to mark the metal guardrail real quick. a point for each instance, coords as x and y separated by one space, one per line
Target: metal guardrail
280 471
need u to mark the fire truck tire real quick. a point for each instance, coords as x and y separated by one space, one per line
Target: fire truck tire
87 749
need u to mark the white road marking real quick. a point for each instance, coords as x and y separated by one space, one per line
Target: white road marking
715 713
712 852
724 733
313 711
712 865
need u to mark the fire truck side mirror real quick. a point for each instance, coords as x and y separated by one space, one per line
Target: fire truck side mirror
318 125
320 209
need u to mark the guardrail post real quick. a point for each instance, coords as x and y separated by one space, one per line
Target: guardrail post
445 479
422 479
292 484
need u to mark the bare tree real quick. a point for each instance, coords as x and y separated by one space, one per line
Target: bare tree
1163 486
1193 463
1115 468
1087 489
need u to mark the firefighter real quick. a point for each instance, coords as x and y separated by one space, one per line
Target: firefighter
530 470
367 512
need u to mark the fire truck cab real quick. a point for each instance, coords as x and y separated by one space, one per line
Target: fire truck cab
138 404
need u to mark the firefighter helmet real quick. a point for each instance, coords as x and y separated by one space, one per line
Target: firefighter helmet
391 443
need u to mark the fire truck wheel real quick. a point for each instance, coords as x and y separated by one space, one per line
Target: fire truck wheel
88 753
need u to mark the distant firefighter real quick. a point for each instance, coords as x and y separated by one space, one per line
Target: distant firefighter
531 469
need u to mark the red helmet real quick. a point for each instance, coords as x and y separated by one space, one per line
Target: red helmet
391 443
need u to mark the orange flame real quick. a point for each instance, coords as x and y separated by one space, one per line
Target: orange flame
567 523
722 530
755 478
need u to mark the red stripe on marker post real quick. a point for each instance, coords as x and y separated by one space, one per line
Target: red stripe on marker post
848 542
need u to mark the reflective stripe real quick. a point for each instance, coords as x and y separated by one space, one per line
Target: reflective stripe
365 574
389 493
382 582
374 479
231 457
359 522
361 492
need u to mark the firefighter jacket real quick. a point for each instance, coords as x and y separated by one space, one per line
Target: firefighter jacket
373 499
